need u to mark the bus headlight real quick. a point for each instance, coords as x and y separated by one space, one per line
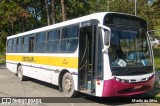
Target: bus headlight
122 80
117 79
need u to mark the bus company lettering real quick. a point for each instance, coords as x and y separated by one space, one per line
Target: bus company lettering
65 62
28 59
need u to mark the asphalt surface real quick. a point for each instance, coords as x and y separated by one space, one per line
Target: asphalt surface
10 86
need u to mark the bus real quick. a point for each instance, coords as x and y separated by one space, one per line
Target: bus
104 54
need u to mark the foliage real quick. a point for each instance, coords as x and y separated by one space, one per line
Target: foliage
156 52
18 16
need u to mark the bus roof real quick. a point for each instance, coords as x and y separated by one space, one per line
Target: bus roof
99 16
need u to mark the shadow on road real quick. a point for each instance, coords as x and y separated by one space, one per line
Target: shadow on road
44 84
2 66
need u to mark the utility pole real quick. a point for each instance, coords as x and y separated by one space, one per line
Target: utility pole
135 7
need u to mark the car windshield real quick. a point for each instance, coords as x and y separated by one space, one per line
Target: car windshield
129 48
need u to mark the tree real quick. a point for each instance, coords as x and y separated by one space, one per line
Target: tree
76 8
124 6
64 15
156 11
53 12
48 14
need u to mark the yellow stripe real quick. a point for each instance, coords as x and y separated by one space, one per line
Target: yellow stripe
68 62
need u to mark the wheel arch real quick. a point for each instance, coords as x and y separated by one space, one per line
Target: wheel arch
19 64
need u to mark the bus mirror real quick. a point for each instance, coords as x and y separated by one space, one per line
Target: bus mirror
107 36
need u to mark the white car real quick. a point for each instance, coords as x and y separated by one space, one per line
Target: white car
154 42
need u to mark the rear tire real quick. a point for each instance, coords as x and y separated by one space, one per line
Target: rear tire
68 85
20 73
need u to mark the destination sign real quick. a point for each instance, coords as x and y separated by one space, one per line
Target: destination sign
124 20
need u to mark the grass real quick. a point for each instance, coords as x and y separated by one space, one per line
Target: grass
156 52
2 59
156 90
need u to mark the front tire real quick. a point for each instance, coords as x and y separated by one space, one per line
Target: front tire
68 85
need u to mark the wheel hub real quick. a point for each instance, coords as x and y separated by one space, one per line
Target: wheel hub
68 84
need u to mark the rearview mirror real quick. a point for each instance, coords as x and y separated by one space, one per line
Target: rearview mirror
107 35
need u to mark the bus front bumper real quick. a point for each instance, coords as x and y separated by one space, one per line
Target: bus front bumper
113 87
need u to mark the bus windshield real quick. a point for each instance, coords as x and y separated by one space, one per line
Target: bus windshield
129 48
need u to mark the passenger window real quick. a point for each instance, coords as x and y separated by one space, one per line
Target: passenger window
9 42
53 35
14 45
53 41
41 37
69 41
15 41
41 42
53 46
19 45
69 45
70 32
25 40
25 44
9 46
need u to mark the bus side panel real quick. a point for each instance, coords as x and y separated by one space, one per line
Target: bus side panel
30 71
8 63
26 70
55 77
45 75
11 65
38 72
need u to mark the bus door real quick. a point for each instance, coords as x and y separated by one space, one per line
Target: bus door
32 43
87 60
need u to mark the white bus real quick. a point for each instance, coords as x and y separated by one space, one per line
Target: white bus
103 54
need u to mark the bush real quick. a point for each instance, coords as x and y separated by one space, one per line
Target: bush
156 52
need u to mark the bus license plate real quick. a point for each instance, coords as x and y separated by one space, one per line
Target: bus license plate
137 87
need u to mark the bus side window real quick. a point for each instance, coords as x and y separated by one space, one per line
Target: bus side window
9 46
69 45
53 41
69 40
41 42
14 45
25 44
19 45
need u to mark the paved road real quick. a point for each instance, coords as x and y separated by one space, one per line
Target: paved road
10 86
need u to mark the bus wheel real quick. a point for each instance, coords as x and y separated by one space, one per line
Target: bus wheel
20 73
68 85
